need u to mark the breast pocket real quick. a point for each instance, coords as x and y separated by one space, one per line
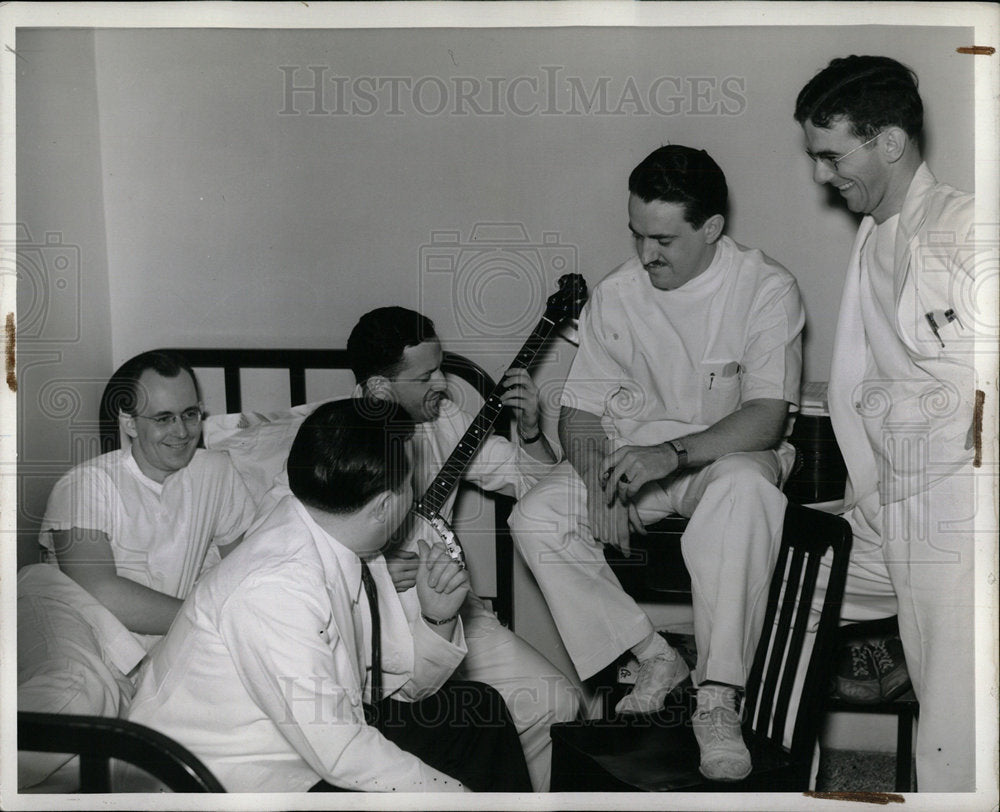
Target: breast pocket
325 632
720 390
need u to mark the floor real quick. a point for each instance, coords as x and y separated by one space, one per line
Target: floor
856 771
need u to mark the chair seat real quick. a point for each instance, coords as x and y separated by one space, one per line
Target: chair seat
655 753
907 703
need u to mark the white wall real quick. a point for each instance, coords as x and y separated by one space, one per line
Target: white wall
231 223
63 306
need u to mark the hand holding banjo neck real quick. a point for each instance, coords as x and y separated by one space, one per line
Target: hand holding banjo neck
563 305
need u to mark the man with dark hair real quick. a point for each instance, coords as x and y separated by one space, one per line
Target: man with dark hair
902 384
285 668
377 342
396 357
676 403
126 395
136 527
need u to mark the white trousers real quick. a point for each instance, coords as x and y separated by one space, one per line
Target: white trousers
536 693
919 566
729 547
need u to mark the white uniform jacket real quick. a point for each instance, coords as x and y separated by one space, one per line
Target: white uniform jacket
263 672
923 412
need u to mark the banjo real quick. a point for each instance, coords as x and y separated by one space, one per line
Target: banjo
563 305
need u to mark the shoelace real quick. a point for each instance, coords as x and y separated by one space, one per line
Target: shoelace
883 659
718 719
646 674
858 661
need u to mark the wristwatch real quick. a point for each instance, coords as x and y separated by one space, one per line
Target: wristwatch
680 451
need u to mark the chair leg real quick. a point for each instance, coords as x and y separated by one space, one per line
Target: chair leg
904 750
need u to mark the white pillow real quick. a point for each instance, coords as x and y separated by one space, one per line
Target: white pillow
60 670
257 443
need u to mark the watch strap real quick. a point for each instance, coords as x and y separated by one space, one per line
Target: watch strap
441 622
680 451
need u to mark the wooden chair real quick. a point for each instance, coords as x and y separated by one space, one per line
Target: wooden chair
98 739
659 752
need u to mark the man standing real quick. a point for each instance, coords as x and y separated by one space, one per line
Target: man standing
676 403
902 386
395 355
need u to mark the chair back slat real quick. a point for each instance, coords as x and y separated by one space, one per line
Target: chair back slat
803 611
817 675
807 536
752 698
786 593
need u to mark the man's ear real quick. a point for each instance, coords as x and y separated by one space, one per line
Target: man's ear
126 425
379 506
894 142
378 387
713 228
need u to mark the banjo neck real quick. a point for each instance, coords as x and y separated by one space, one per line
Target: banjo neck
468 446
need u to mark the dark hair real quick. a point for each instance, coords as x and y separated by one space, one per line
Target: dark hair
676 174
123 395
869 92
376 344
348 451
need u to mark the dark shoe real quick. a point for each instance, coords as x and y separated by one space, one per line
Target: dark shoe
890 664
857 679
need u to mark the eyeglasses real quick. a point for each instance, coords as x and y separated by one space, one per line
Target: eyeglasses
834 163
190 417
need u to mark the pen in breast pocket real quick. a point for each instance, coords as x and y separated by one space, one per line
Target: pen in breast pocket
948 315
934 326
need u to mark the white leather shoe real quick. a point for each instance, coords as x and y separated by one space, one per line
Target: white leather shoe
657 677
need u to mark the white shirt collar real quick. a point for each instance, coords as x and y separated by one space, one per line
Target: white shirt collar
136 471
333 555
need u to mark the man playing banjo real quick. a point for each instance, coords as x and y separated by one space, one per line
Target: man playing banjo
396 356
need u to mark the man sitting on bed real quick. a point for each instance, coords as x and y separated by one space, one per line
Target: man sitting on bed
133 529
283 669
396 355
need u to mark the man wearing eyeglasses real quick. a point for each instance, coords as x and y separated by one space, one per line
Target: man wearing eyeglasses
136 527
902 391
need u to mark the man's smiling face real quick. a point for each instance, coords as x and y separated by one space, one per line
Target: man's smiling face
159 450
862 177
419 385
